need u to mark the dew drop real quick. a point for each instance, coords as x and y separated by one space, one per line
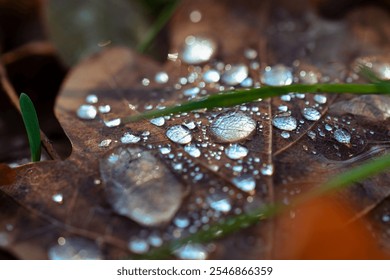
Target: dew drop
342 136
91 99
232 127
245 182
104 109
181 221
285 134
235 75
87 112
191 91
4 239
250 53
112 123
248 82
159 121
165 150
386 218
155 240
236 151
267 170
278 75
285 123
179 134
75 248
198 50
129 138
195 16
161 78
58 198
211 76
219 202
192 150
311 114
105 143
192 252
138 246
320 99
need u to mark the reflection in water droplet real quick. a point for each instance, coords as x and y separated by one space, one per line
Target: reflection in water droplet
129 138
235 75
161 78
236 151
104 109
342 136
311 114
138 246
140 186
91 99
211 76
58 197
277 75
192 150
179 134
112 123
285 123
232 127
245 182
87 112
198 50
219 202
75 248
160 121
192 252
320 99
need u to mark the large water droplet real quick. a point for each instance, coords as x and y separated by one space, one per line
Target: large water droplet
219 202
87 112
75 248
236 151
278 75
232 127
129 138
245 182
235 75
138 245
211 76
140 186
192 150
198 50
179 134
192 252
285 123
342 136
311 114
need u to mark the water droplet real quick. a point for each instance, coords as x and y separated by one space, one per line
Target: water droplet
245 182
161 78
235 75
91 99
312 135
112 123
140 186
128 138
87 112
104 109
181 221
192 150
285 123
386 218
145 82
138 246
58 197
250 53
285 134
192 252
308 77
382 69
286 97
342 136
195 16
211 76
248 82
283 108
172 56
4 239
236 151
155 240
179 134
198 50
267 170
190 125
165 150
219 202
232 127
159 121
75 248
278 75
191 91
320 99
328 127
311 114
105 143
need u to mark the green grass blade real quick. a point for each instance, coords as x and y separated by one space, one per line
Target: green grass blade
231 98
161 21
31 123
236 223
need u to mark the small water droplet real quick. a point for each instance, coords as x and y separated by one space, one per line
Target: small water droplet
285 123
172 56
235 75
192 252
248 82
181 221
179 134
161 77
129 138
105 143
386 218
245 182
219 202
145 82
4 239
342 136
250 53
232 127
159 121
320 99
138 246
328 127
236 151
75 248
286 97
87 112
283 108
104 109
58 198
285 134
190 125
191 91
91 99
312 135
112 123
165 150
195 16
267 170
311 114
155 240
198 50
192 150
278 75
211 76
